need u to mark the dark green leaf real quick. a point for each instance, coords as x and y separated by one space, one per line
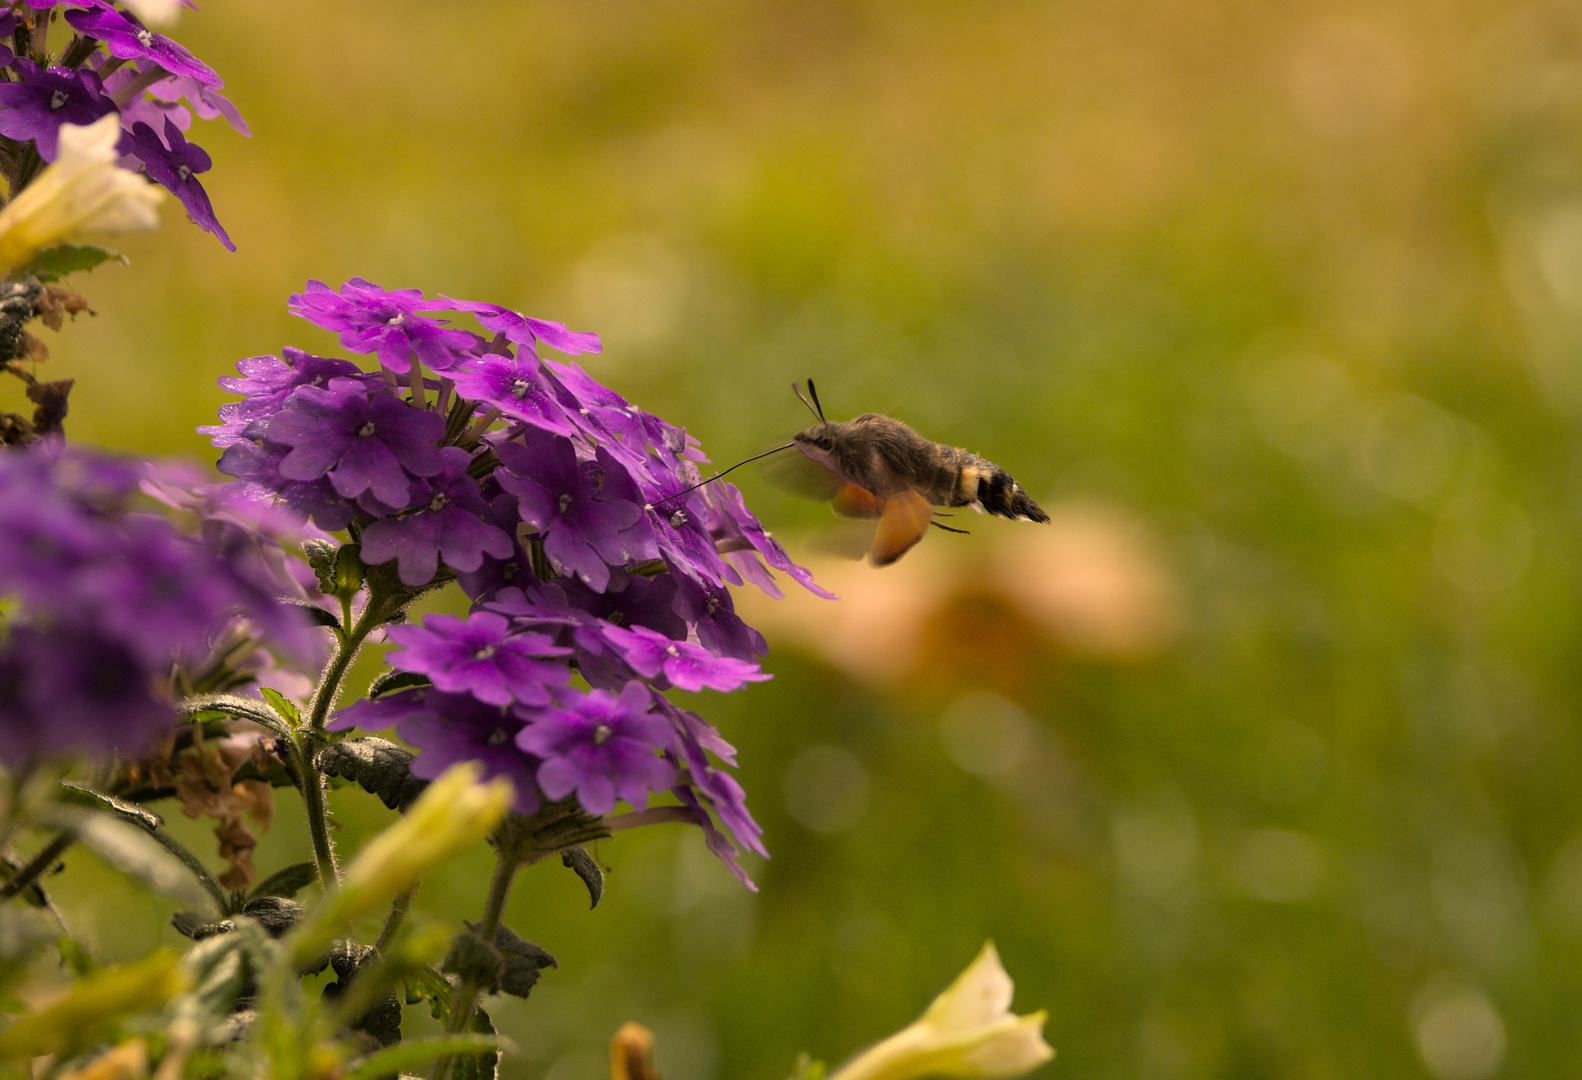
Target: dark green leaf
243 708
276 914
588 869
391 681
379 765
521 962
56 262
287 881
317 615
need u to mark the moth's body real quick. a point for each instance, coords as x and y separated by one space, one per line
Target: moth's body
891 472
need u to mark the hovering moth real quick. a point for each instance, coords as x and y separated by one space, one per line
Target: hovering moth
881 468
876 467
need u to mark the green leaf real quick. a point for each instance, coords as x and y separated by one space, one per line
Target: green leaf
287 881
243 708
585 867
54 263
405 1058
283 706
379 765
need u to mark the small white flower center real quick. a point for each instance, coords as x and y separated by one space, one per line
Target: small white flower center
601 734
57 99
145 38
497 737
519 388
366 430
565 501
397 319
484 653
184 173
437 503
714 605
677 520
671 650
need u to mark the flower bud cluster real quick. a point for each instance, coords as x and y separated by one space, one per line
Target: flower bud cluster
563 513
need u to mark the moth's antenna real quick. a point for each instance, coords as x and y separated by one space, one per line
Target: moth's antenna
812 406
716 476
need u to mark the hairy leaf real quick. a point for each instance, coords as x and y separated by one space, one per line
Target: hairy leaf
379 765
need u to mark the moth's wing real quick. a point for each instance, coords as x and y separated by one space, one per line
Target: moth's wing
855 502
904 521
801 476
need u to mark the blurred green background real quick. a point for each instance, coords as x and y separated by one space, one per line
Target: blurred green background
1261 760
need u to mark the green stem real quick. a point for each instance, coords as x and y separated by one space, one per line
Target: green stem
310 779
398 910
34 867
465 1000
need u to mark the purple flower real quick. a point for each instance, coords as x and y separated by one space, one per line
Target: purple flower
679 663
371 320
693 736
205 100
450 522
257 472
481 655
630 600
361 441
448 728
266 383
175 166
712 612
519 388
526 331
600 746
128 39
35 106
577 505
718 843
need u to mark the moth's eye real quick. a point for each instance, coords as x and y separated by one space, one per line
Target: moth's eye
826 442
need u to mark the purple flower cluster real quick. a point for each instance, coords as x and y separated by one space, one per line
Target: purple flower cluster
111 64
564 514
104 601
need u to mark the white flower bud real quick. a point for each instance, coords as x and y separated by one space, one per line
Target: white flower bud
969 1031
82 190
